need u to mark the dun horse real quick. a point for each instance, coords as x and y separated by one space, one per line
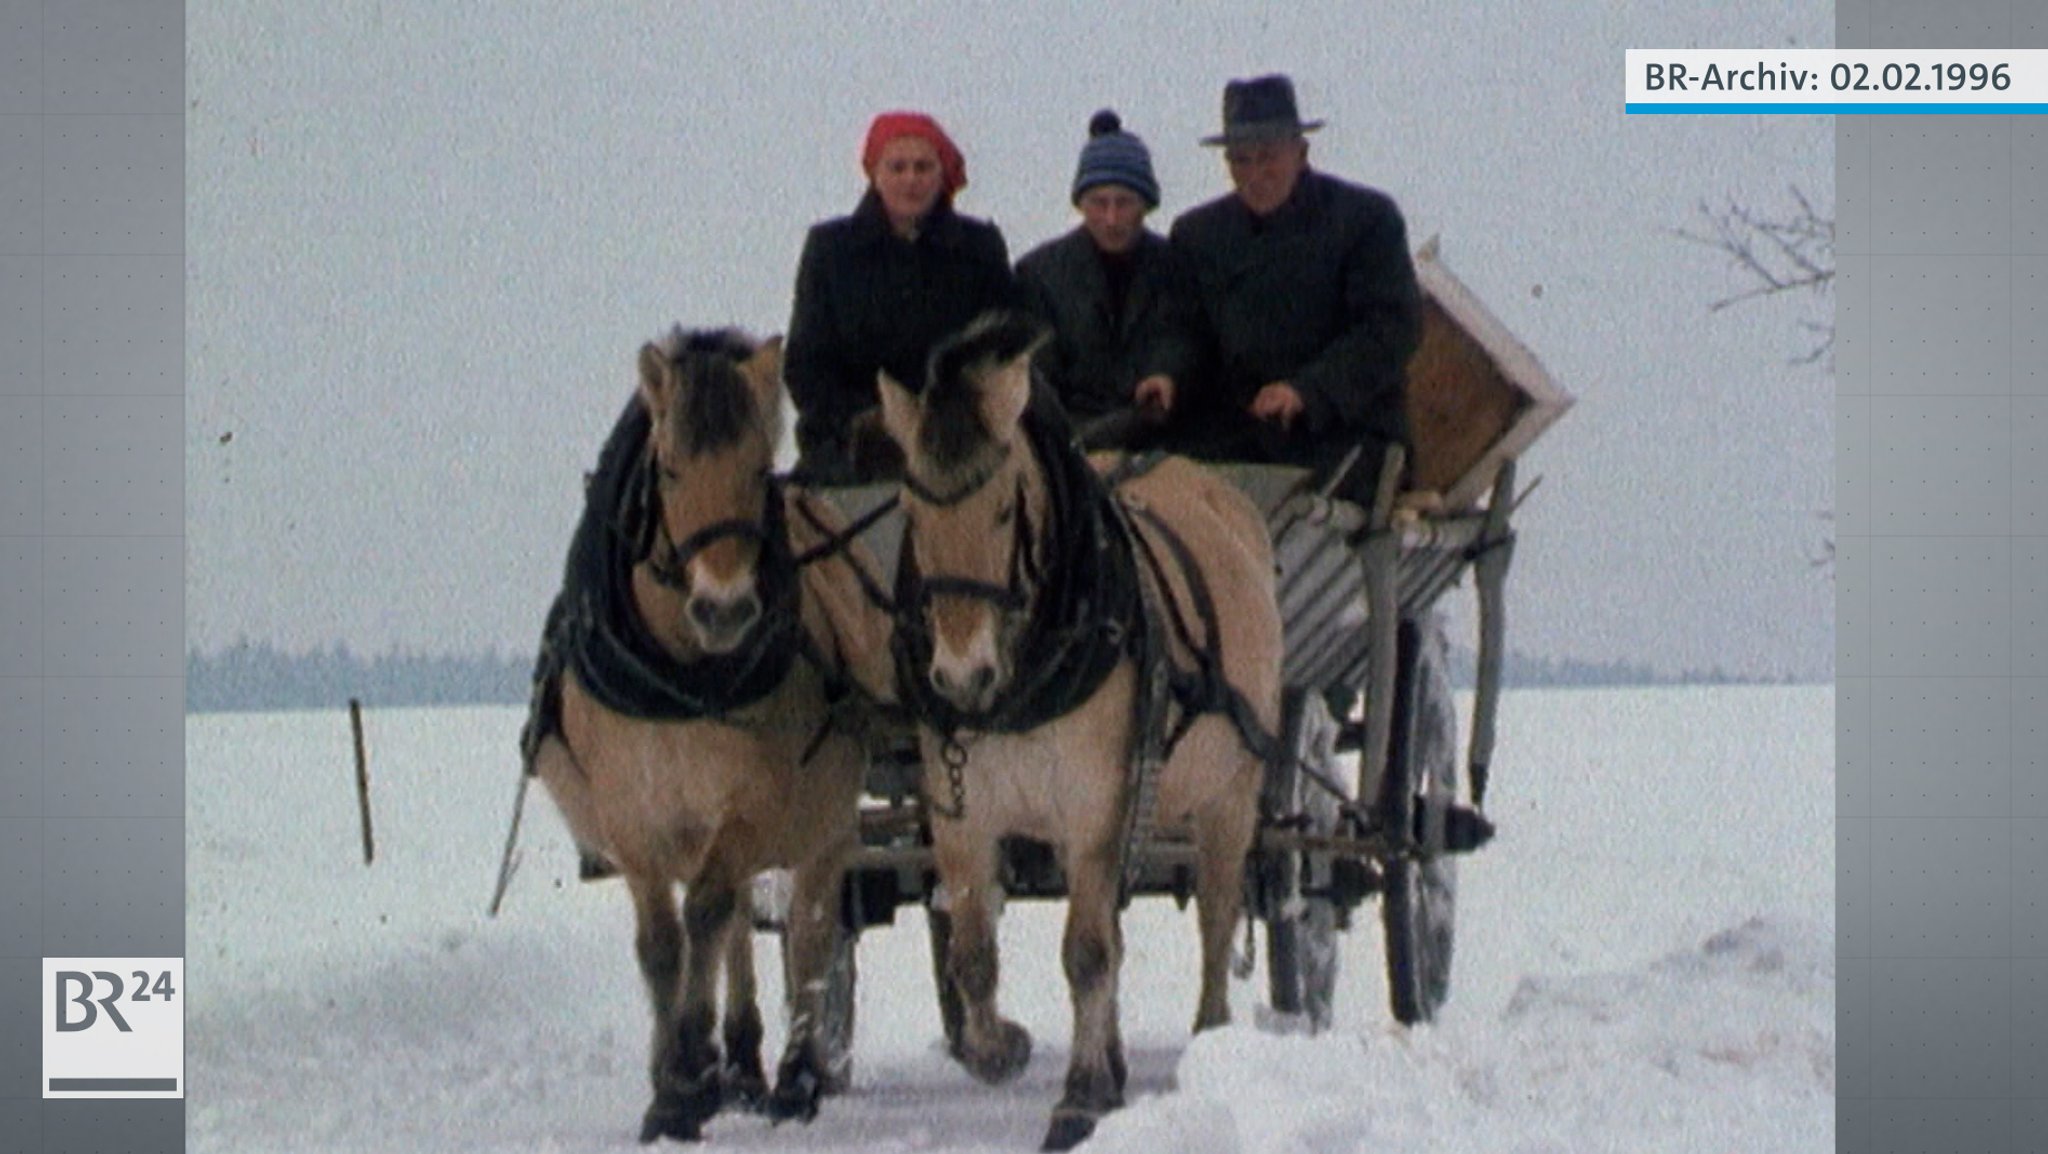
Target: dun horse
1022 644
685 721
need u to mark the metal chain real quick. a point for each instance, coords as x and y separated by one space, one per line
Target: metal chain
953 756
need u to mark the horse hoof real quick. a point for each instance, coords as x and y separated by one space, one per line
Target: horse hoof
1012 1052
679 1122
1068 1130
796 1094
743 1089
679 1111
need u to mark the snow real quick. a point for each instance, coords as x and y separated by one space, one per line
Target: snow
1645 963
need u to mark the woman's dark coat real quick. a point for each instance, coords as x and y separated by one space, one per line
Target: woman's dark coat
868 300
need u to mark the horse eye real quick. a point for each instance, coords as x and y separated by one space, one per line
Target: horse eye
1005 514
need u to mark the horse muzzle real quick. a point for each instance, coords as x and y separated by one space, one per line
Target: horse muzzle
723 622
971 683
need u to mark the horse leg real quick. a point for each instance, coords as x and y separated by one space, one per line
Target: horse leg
686 1090
807 1072
658 944
742 1082
1223 837
993 1048
1091 953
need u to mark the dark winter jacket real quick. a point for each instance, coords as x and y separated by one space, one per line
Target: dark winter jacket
1100 352
867 299
1320 293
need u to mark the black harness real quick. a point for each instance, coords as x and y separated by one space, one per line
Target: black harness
1087 606
594 626
1077 605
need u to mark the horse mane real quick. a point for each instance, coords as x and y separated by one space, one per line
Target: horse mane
952 439
717 407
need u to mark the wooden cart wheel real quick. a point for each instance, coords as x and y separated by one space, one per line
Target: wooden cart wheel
1301 931
1418 909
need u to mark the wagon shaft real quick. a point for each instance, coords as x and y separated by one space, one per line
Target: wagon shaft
892 846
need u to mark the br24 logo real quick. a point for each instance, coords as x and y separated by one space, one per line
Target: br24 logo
86 983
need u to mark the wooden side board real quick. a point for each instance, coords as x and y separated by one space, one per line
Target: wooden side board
1477 397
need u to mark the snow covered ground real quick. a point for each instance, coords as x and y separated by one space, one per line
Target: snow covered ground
1645 963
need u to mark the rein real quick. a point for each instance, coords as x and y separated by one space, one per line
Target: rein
1025 574
973 485
595 627
671 568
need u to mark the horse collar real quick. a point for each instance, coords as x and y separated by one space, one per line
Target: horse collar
617 660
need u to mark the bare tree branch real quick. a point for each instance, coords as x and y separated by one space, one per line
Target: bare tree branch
1777 253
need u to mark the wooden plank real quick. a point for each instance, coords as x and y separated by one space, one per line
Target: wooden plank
1477 397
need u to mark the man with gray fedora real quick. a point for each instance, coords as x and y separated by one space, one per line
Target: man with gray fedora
1308 299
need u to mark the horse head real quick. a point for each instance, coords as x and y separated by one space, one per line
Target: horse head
714 402
973 496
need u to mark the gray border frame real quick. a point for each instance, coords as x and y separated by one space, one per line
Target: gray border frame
92 547
1941 671
1943 1029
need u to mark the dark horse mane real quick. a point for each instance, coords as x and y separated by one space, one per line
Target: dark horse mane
716 406
955 444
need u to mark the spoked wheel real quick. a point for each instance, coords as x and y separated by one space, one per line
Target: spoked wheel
1418 908
1301 930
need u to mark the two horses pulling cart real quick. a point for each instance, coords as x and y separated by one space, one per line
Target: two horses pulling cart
1020 673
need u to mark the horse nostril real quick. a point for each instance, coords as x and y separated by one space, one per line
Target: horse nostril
973 687
703 612
714 615
744 611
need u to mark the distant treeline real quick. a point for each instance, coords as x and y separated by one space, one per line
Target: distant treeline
259 677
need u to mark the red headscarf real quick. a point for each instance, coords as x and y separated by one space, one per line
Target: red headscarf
890 125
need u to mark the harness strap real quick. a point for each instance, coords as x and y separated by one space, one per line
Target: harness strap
836 543
671 569
1205 689
1151 695
1157 683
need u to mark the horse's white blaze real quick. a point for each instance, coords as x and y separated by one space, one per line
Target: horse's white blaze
723 590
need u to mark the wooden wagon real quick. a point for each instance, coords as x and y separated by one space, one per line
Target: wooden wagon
1359 591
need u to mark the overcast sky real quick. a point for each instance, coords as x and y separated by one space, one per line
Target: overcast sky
424 244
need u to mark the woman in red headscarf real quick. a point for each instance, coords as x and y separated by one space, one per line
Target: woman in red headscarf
877 289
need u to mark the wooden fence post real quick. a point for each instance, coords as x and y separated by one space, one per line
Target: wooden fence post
355 721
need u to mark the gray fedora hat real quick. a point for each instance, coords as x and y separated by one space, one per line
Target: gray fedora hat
1261 108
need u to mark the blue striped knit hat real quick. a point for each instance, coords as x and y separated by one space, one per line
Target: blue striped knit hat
1113 156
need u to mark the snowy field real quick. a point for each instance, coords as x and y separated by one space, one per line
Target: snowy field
1645 963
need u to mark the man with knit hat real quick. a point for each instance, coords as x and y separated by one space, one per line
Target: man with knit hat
1308 300
1113 294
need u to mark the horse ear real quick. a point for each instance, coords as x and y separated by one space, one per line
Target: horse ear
764 372
899 410
653 378
1004 393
